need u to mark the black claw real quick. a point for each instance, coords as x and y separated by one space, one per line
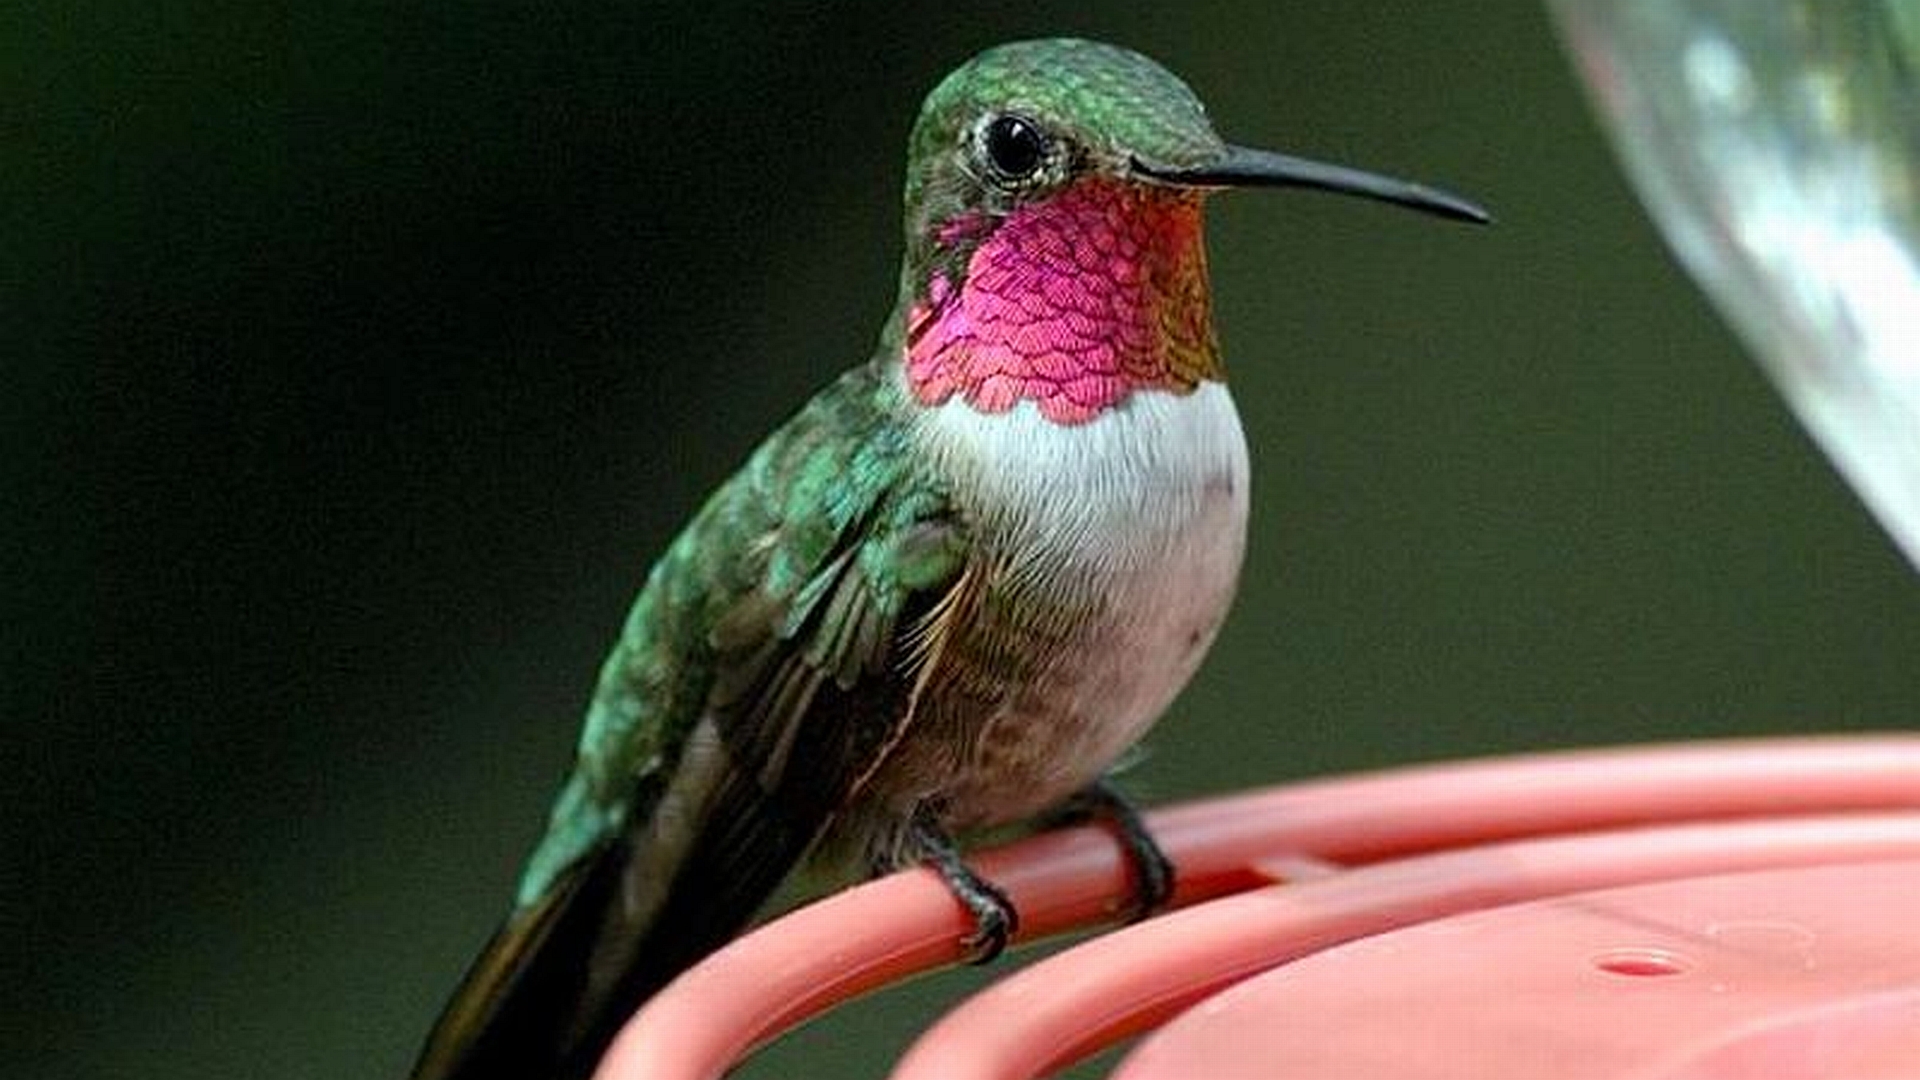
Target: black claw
1153 872
995 919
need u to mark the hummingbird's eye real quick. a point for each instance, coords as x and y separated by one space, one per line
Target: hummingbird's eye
1014 147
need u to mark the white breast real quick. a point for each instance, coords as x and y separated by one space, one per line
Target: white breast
1142 512
1135 478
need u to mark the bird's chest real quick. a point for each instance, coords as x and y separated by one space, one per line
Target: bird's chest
1108 553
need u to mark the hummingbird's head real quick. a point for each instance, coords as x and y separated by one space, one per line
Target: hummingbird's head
1054 246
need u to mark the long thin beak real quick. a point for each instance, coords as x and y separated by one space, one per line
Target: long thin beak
1246 167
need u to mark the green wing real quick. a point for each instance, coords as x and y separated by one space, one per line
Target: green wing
765 667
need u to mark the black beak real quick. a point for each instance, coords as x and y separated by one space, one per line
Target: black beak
1246 167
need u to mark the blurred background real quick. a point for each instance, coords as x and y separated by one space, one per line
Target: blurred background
354 365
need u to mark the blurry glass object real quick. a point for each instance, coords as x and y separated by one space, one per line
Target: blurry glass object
1777 145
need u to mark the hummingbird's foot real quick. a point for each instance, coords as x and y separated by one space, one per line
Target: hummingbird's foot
995 919
1153 873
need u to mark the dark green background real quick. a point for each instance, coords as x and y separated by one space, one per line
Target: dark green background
357 362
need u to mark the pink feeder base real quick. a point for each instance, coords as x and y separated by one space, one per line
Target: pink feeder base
1807 973
1711 911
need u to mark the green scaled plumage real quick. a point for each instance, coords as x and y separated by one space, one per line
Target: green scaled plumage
830 507
782 606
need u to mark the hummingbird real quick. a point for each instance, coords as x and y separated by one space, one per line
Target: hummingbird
949 592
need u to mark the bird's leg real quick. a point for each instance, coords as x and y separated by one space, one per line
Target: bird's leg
995 920
1153 874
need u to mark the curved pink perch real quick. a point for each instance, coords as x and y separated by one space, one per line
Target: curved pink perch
1059 1010
800 965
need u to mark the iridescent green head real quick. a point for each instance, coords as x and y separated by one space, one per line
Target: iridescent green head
1021 121
1053 229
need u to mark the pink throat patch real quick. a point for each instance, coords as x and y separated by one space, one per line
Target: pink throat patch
1072 303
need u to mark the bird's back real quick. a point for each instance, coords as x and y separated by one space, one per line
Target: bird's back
778 608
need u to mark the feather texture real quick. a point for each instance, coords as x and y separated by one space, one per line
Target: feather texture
781 616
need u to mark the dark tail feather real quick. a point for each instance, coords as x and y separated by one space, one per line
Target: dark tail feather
512 1012
558 979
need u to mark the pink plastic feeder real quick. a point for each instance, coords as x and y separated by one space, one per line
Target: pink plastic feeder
1732 910
1800 973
